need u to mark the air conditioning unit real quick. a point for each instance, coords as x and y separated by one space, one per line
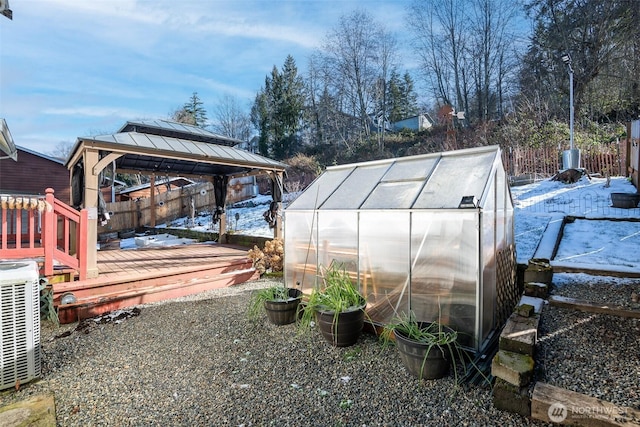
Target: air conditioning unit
20 353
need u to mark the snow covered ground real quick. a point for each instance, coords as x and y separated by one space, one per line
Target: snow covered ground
605 237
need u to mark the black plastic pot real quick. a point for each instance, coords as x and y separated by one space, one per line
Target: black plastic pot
347 327
284 312
420 359
625 200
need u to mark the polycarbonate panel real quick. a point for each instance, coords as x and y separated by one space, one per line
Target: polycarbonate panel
356 187
444 276
489 274
393 195
338 239
413 169
300 241
501 210
316 193
456 176
384 262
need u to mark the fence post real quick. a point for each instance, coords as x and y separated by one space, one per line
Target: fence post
82 244
49 234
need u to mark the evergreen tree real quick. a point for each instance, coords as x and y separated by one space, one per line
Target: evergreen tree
401 97
277 111
192 112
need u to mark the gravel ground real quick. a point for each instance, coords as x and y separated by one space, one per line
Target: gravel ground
598 289
198 361
594 354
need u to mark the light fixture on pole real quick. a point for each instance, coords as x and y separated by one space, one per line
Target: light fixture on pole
574 160
566 58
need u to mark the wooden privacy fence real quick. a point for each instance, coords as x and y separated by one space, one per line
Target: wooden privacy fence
170 205
547 161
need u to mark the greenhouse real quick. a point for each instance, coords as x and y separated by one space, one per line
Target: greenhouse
430 233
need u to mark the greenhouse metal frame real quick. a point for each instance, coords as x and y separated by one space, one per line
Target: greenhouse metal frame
432 234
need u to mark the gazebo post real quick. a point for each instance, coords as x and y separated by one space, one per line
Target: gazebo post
277 230
90 202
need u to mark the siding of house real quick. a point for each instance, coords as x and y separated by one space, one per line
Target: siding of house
32 174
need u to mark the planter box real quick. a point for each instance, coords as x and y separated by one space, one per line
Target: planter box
625 200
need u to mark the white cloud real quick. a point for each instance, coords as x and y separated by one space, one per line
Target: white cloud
91 111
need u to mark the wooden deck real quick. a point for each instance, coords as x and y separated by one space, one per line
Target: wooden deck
130 277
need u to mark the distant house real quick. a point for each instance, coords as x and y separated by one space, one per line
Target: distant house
416 123
32 173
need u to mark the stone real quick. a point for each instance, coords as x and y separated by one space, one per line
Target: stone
524 310
536 289
510 398
515 368
537 303
540 271
520 334
37 411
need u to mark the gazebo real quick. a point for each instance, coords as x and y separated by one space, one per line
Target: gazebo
433 234
161 147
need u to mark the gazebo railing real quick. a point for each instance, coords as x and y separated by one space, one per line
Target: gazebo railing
46 228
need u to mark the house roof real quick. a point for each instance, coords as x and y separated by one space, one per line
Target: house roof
431 181
178 130
44 156
149 153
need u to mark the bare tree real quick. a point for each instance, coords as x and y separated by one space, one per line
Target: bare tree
355 51
466 50
62 150
231 119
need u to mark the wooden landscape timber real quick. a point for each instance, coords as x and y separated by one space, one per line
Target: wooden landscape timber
590 307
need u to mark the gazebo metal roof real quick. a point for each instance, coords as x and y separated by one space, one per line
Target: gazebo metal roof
178 130
141 152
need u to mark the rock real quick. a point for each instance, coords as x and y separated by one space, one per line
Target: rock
508 397
515 368
524 310
537 290
520 334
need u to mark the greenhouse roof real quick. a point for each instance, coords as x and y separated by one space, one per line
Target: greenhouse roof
431 181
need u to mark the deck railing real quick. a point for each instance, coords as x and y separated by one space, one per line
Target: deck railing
46 228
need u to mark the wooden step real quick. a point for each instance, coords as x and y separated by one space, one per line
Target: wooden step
109 300
125 283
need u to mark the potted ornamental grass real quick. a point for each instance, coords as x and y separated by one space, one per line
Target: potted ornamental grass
279 302
336 306
426 349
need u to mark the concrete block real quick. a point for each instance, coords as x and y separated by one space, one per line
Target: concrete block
536 289
507 397
540 271
520 334
515 368
524 310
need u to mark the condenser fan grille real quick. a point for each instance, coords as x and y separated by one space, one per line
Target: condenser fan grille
20 339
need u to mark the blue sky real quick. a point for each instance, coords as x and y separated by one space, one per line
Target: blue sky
71 68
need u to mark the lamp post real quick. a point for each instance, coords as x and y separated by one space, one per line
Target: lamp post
574 156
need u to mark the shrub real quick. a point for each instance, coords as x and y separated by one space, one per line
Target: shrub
270 258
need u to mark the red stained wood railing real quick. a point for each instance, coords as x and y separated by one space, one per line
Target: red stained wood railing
33 227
